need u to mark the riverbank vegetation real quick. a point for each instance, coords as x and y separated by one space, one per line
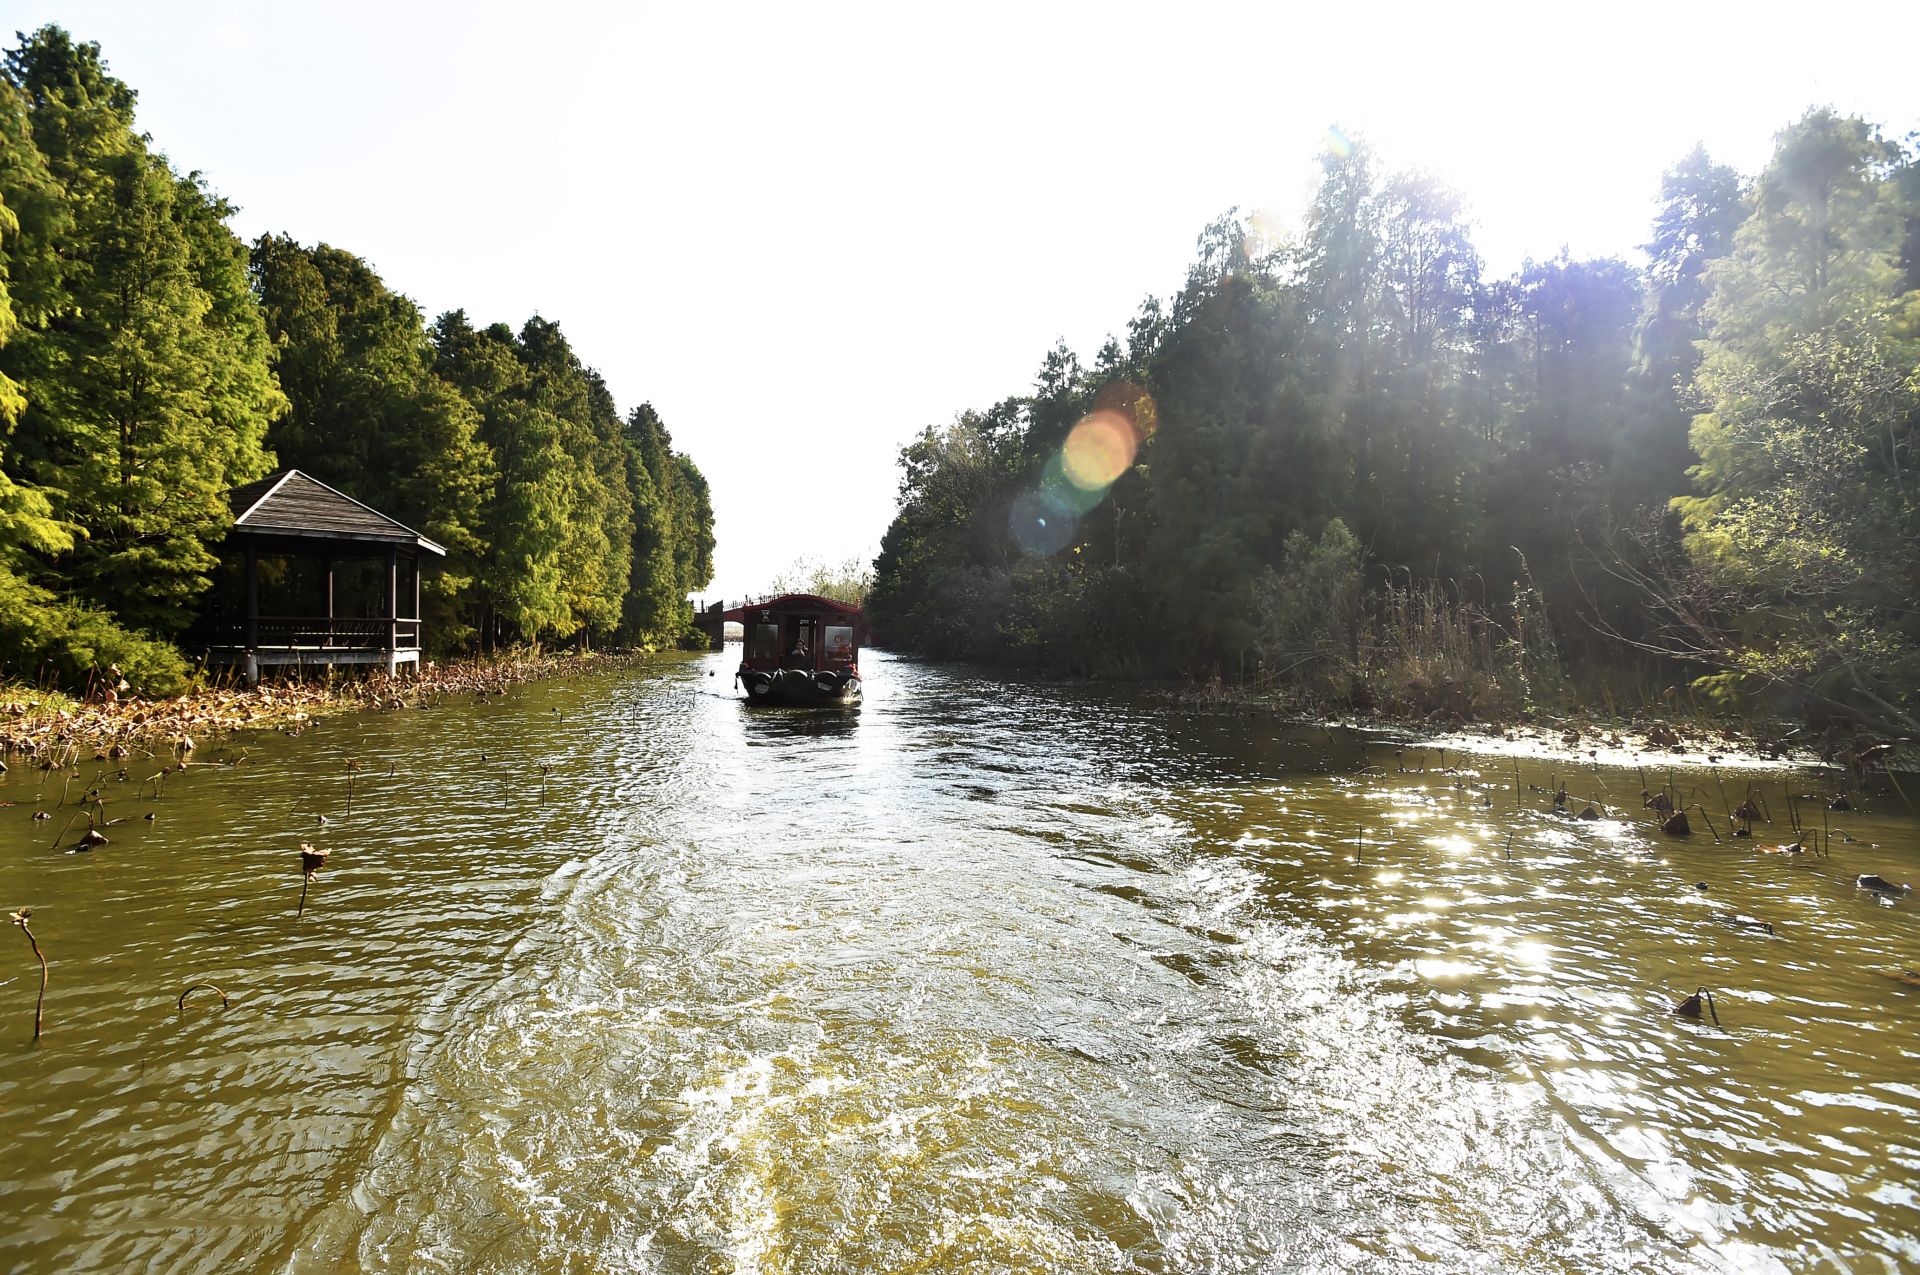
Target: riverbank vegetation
1345 464
48 729
150 361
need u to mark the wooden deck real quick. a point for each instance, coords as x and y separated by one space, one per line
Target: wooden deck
312 642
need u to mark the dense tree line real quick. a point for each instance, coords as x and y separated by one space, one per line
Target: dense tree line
150 361
1352 461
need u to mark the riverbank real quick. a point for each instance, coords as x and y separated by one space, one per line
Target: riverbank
1640 738
47 726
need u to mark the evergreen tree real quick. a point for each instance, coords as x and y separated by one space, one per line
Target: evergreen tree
672 546
521 591
147 366
143 352
369 413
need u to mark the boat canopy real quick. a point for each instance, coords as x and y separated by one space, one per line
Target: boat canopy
799 631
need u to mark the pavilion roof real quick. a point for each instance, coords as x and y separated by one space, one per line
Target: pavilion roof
295 505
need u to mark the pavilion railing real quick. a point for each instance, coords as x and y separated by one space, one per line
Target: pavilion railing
316 633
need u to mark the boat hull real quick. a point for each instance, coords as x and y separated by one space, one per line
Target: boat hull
797 687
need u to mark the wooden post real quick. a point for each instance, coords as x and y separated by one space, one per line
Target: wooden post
326 564
393 607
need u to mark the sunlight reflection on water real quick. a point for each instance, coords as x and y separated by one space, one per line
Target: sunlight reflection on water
987 976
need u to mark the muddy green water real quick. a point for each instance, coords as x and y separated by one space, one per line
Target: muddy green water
984 977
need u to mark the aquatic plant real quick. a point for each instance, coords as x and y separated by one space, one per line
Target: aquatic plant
92 836
1690 1006
39 1005
190 988
311 861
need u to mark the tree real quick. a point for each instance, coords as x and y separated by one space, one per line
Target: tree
1701 206
39 633
520 591
847 582
149 390
370 414
1807 497
596 549
672 532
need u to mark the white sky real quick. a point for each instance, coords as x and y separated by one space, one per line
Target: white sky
805 231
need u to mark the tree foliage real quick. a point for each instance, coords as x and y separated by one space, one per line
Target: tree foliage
847 582
1809 500
150 362
1356 432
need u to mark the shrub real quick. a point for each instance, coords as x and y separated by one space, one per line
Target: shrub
45 638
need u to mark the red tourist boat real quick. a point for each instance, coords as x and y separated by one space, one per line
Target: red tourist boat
799 648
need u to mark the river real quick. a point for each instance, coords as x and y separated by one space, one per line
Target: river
616 974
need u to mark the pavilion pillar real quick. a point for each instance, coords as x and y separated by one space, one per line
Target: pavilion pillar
326 564
250 627
393 609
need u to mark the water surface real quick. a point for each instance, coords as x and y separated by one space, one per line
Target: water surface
985 976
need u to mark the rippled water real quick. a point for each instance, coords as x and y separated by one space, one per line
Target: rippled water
983 977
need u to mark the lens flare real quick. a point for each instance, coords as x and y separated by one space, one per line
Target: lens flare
1099 450
1075 479
1058 488
1131 401
1040 525
1338 143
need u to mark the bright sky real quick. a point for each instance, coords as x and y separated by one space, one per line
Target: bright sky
806 231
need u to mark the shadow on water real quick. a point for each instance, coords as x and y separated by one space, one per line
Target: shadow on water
802 722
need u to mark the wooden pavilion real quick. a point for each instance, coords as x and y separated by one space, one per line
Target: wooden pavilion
312 577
